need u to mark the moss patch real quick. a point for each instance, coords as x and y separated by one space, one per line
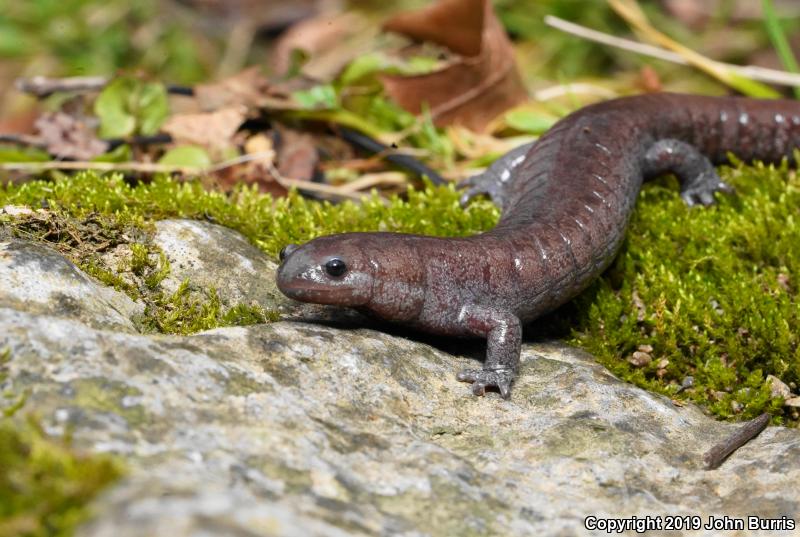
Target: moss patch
45 485
710 294
713 291
87 235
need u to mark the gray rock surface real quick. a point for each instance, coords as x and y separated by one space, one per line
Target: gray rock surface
37 279
213 256
302 429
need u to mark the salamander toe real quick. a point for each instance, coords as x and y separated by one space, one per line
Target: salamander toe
488 378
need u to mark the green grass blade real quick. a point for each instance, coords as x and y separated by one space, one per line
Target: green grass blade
779 41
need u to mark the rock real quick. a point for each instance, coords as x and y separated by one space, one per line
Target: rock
214 257
639 359
778 388
792 402
16 210
296 428
37 279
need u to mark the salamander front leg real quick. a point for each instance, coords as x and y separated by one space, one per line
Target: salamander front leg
492 182
698 177
503 335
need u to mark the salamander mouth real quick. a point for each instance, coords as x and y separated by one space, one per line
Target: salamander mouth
317 295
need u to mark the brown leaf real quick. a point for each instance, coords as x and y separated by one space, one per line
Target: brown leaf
330 42
67 136
258 170
476 88
212 130
249 88
297 155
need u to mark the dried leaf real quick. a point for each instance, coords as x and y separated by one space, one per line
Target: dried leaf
477 87
212 130
249 88
297 155
258 170
66 136
328 43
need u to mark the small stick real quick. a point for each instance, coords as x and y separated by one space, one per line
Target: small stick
145 167
42 86
754 72
23 139
717 454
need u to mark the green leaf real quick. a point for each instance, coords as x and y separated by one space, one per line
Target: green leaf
152 107
111 108
529 121
362 67
189 156
420 65
13 42
13 154
121 153
318 97
126 106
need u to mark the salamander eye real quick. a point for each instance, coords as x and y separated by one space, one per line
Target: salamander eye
335 267
282 254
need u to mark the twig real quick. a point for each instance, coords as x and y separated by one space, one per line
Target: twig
287 182
578 88
145 167
266 156
148 167
23 139
717 454
371 180
753 72
42 86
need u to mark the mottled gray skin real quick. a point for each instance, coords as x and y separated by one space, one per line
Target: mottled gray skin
566 206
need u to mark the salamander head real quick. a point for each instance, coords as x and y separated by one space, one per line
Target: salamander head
373 271
326 271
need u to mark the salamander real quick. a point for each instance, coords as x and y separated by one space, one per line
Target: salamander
566 201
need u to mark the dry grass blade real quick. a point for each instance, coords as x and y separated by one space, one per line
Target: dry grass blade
372 180
763 74
148 167
633 15
144 167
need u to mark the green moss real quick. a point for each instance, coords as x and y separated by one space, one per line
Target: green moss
84 234
244 314
713 291
104 395
268 223
45 484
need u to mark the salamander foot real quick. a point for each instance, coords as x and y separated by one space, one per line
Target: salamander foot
482 185
699 179
483 378
702 189
492 182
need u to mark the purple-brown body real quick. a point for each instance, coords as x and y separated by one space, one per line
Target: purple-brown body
566 206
